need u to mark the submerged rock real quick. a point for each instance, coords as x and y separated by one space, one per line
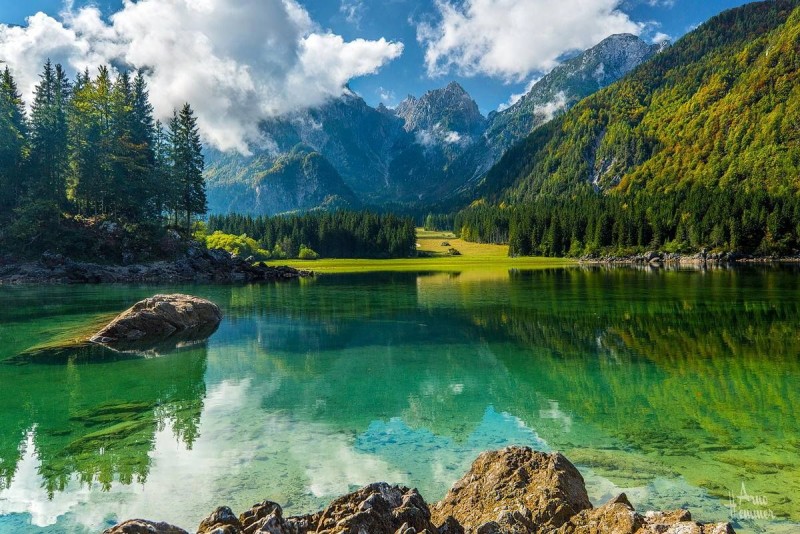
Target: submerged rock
512 491
618 516
159 318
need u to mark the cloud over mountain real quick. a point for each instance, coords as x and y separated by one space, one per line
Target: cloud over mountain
235 61
510 39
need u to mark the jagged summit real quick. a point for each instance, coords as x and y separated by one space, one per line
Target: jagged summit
450 109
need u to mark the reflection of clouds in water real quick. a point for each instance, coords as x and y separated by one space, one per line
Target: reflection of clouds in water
554 412
327 460
245 454
341 468
239 444
25 494
179 482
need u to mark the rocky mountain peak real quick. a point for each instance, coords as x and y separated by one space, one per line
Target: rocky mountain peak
449 109
615 56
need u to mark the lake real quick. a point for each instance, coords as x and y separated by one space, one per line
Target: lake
679 387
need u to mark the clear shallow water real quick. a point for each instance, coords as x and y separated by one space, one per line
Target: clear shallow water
680 388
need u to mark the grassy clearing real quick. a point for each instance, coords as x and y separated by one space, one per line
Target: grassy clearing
474 256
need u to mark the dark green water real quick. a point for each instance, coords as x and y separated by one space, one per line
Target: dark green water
680 388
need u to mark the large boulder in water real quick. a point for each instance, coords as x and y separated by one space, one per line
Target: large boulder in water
515 489
161 318
140 526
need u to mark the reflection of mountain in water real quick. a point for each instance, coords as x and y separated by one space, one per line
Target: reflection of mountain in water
639 374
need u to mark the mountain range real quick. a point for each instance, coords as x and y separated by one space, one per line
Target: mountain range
719 108
346 153
698 149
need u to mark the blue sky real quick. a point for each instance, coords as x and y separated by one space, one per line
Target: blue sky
396 20
239 61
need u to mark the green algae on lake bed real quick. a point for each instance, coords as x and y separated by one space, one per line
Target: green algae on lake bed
680 388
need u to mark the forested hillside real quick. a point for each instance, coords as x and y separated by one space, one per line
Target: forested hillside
699 147
90 165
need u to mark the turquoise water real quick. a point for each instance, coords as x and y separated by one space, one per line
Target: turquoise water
677 387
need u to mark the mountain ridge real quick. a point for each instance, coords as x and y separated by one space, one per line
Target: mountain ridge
425 149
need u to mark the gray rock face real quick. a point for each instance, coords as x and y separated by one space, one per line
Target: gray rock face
446 110
161 317
566 85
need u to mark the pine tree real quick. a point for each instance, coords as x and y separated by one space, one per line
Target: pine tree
37 217
49 136
143 138
187 165
13 145
85 169
130 163
163 191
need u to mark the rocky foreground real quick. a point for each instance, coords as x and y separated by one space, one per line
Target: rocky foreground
701 258
512 491
198 265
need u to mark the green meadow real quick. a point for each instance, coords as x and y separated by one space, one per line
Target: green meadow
434 255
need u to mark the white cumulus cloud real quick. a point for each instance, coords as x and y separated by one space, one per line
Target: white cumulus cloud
235 61
510 39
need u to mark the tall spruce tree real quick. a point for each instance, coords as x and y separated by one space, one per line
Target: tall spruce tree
143 138
164 191
188 164
37 217
130 165
48 137
13 145
84 137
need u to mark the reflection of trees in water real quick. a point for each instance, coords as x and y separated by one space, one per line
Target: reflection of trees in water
97 421
648 338
695 368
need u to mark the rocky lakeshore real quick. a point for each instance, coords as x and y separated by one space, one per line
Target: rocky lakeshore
513 491
701 258
197 265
